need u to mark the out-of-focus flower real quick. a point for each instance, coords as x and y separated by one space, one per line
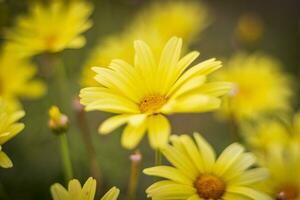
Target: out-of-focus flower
16 79
50 28
153 26
76 192
9 128
197 173
58 122
142 94
283 164
265 134
272 133
250 28
259 86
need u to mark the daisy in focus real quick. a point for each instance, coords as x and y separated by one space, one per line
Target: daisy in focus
259 86
144 93
24 85
77 192
50 28
152 26
9 128
197 174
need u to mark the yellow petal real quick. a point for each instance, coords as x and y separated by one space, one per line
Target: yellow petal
193 152
74 189
112 194
168 60
193 103
88 190
58 192
207 152
159 130
169 173
228 157
248 192
97 98
5 161
132 135
77 42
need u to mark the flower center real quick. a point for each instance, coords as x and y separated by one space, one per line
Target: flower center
152 103
287 192
210 187
50 41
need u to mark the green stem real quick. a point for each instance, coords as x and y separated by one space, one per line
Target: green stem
134 175
234 129
157 157
67 164
86 136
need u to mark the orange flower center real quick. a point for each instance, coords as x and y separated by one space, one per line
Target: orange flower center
287 192
152 103
210 187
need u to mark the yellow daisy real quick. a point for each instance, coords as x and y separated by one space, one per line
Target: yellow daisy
9 128
283 164
22 72
272 133
142 94
265 134
152 26
76 192
259 86
51 28
197 173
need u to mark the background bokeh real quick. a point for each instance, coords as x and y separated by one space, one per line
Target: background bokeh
35 152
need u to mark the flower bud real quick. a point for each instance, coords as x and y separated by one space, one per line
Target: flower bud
58 122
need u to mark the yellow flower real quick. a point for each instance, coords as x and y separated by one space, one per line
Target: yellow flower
283 164
51 28
153 26
9 128
265 134
16 79
142 94
197 173
76 192
260 86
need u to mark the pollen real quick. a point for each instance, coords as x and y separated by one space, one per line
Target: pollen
288 193
152 103
210 187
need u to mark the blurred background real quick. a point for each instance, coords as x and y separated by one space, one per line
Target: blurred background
35 152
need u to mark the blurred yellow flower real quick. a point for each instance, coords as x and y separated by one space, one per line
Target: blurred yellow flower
50 28
283 164
153 26
267 133
16 79
142 94
76 192
250 28
9 128
259 86
197 173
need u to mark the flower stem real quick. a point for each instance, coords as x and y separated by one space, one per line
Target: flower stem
157 157
86 136
67 164
234 129
134 175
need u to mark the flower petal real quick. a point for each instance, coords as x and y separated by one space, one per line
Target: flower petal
159 130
